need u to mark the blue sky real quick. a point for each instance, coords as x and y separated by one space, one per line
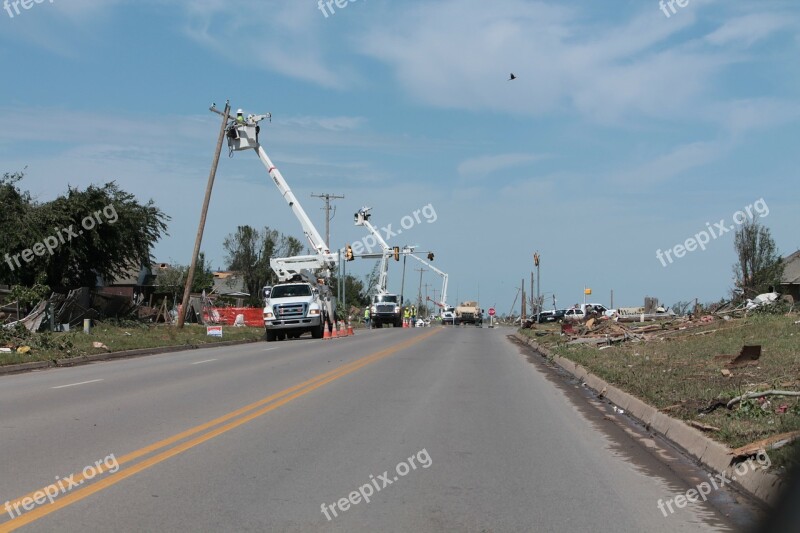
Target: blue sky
625 132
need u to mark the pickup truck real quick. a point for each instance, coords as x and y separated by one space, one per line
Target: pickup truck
583 311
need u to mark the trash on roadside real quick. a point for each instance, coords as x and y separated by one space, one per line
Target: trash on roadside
727 373
23 349
98 344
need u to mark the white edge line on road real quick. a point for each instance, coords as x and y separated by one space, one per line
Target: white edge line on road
76 384
200 362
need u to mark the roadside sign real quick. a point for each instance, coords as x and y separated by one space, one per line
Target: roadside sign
491 311
214 331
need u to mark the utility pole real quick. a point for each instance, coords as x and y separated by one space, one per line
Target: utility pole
419 294
534 308
327 197
536 258
523 311
403 282
426 299
204 212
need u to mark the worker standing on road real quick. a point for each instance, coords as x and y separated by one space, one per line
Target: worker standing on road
329 314
413 316
407 315
366 318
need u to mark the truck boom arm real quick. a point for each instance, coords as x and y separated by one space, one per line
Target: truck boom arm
444 277
362 219
243 136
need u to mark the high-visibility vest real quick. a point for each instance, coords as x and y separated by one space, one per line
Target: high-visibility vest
366 313
407 313
239 119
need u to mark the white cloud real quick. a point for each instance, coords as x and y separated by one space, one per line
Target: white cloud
480 167
739 117
680 160
458 53
748 29
275 35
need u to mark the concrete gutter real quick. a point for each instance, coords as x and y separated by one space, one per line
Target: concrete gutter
713 455
85 359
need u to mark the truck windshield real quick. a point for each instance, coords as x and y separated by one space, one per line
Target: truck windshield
287 291
391 298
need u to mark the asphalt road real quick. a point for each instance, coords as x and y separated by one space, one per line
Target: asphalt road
442 429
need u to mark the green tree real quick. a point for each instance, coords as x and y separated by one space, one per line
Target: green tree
248 251
759 264
77 238
355 291
173 279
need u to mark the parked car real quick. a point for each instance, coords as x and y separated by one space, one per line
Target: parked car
554 315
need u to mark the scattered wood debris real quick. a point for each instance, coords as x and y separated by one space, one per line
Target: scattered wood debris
701 426
770 443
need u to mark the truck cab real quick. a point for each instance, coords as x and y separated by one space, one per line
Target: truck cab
385 309
292 309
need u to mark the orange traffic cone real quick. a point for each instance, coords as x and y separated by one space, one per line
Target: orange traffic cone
327 334
350 331
405 323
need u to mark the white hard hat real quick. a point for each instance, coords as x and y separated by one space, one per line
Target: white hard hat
239 111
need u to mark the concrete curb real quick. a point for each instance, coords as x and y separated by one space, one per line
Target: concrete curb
24 367
84 359
710 453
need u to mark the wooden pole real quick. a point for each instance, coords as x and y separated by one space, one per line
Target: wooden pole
190 275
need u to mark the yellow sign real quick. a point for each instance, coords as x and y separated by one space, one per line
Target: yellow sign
587 291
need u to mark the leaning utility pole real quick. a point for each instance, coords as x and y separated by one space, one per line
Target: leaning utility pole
190 275
327 197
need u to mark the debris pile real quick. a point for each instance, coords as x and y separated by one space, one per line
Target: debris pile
607 331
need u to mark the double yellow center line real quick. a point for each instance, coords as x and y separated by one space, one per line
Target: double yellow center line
217 427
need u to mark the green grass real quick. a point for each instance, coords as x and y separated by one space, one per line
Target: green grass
680 374
52 346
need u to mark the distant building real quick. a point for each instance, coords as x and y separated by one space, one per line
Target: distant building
230 285
790 282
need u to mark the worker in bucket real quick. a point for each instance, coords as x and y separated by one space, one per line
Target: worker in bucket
233 128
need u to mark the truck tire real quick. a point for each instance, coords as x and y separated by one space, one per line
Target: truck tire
270 335
398 323
318 332
281 336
